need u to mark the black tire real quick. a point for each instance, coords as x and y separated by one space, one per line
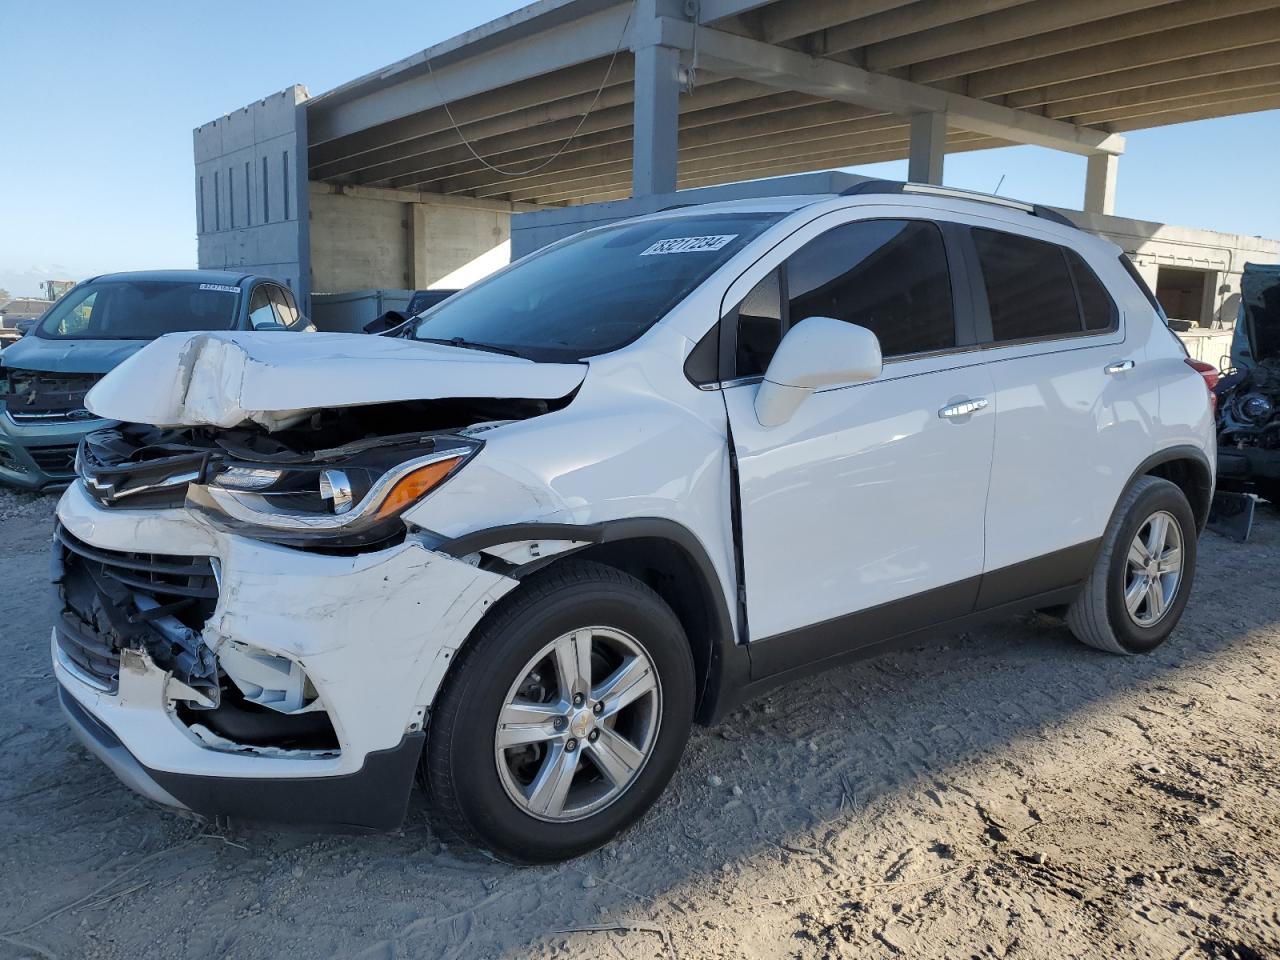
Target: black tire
466 796
1098 616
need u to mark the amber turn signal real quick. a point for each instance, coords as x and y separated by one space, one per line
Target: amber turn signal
416 485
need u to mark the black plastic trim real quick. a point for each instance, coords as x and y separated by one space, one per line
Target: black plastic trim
371 799
1182 452
996 590
513 532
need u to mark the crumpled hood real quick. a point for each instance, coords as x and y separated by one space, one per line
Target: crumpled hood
68 356
273 378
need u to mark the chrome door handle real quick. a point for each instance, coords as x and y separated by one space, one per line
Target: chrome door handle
1119 367
955 411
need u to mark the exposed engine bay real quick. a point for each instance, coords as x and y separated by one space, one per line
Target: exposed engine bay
327 483
1249 406
36 395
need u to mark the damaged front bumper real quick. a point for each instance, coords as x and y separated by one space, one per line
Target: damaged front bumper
359 642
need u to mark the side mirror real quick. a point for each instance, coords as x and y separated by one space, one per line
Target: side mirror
817 352
25 326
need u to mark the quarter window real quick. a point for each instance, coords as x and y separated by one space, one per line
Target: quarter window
1096 305
889 276
1029 291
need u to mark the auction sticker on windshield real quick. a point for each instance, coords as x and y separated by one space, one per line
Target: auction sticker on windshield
688 245
222 287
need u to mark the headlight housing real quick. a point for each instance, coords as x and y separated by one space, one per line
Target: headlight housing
349 499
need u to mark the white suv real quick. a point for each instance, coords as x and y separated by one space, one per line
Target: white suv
619 487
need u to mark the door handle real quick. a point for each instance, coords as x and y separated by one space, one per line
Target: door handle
1119 367
954 411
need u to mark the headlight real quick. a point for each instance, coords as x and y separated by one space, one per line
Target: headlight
349 501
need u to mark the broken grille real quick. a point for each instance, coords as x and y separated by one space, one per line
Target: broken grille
112 599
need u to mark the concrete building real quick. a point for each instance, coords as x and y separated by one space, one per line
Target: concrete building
410 173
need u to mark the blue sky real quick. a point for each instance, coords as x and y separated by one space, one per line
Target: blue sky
98 101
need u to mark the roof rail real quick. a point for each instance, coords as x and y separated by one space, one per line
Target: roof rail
929 189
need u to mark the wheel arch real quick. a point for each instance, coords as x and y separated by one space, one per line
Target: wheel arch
670 559
1188 468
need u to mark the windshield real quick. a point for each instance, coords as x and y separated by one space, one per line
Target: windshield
140 310
593 293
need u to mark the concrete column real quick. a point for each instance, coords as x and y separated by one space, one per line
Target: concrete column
418 243
928 147
657 114
1100 183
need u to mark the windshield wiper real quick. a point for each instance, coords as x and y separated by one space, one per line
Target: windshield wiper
470 345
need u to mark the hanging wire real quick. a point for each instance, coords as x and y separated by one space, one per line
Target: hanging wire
507 171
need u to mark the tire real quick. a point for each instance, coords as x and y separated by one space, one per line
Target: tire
1100 616
487 794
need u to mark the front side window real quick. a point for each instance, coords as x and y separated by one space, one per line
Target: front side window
1029 291
889 276
139 310
593 293
283 304
262 314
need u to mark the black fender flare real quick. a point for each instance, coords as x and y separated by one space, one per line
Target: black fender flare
728 662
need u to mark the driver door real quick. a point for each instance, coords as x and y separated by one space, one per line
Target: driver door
862 517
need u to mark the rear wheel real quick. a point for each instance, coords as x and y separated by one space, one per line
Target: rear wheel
1140 582
564 717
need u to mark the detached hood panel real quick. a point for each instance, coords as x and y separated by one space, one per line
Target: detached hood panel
274 378
69 356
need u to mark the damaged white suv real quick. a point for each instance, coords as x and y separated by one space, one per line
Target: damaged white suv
616 488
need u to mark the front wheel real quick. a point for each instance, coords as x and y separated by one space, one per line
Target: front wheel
1135 595
564 717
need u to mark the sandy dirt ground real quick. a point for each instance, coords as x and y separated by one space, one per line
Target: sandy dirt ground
1005 793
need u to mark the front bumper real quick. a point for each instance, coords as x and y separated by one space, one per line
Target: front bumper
374 634
38 456
373 798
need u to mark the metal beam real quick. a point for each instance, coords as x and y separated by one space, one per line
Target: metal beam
787 69
913 20
1227 108
1118 114
1114 106
1106 57
982 33
590 37
1136 78
1083 35
583 80
796 18
758 116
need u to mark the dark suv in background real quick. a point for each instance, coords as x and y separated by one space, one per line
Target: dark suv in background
98 324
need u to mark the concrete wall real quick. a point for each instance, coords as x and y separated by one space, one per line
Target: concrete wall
369 237
251 213
1153 245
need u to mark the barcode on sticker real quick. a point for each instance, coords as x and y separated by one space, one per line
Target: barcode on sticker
688 245
221 287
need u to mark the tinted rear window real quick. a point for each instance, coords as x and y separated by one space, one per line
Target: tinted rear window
1029 290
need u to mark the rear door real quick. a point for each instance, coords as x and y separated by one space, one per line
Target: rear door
872 493
1072 411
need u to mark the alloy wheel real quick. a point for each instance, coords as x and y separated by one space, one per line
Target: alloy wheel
578 724
1154 570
